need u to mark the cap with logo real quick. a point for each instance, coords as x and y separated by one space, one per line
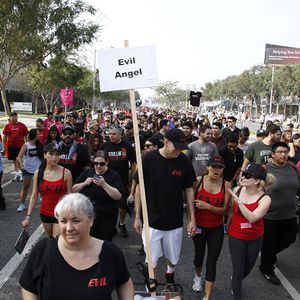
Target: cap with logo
177 137
257 171
216 161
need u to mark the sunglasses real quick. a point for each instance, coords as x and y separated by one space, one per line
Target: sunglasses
148 145
102 164
247 176
69 133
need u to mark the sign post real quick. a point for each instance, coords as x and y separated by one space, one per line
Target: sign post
131 68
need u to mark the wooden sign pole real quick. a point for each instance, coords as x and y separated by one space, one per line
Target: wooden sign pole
141 182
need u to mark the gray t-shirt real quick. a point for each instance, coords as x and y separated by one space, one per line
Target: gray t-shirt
199 154
283 192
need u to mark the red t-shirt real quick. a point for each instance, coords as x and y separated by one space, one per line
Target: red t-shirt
15 132
43 134
204 217
51 192
241 228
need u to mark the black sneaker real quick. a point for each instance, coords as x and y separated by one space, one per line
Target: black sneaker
169 277
272 278
123 230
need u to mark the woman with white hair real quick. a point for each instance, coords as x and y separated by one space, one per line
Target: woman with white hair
75 265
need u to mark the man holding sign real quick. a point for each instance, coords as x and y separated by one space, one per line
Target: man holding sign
167 174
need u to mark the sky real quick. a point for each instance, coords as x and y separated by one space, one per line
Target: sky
199 41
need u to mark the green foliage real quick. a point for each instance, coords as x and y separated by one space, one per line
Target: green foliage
169 93
255 83
32 31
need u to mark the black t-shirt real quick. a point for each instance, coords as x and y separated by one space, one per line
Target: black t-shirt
119 157
233 161
79 160
104 206
55 279
165 180
80 123
146 134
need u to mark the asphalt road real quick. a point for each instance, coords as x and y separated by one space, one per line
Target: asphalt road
255 286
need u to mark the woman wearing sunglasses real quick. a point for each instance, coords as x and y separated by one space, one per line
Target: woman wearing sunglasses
211 202
246 227
104 188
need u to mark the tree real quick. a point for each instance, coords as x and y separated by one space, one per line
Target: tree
32 31
170 92
60 72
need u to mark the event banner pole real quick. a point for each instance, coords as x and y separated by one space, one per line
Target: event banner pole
272 89
141 182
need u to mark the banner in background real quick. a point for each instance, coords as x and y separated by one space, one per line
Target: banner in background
281 55
66 96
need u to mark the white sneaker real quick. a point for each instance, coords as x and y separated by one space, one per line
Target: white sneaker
16 178
21 207
197 285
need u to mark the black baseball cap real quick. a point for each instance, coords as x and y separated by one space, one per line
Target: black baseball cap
68 127
260 132
257 171
216 161
177 137
51 147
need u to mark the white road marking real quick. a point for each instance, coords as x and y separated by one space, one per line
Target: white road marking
287 285
15 261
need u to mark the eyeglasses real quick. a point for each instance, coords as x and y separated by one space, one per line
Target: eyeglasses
282 152
246 175
96 163
148 145
69 133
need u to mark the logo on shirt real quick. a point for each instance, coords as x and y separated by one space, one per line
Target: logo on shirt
176 173
97 282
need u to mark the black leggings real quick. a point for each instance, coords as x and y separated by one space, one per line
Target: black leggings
213 237
243 256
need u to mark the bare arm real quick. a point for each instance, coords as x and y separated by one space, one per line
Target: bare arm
258 213
79 186
32 201
26 295
69 181
189 195
19 158
126 291
138 226
245 164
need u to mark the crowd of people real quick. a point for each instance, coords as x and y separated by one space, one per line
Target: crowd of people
200 165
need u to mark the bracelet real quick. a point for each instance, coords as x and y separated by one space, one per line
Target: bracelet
28 217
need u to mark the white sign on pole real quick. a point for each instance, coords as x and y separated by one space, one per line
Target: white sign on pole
127 68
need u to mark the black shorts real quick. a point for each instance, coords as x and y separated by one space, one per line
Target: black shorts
47 219
12 153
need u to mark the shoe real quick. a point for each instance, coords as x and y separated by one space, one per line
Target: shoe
123 230
141 251
197 285
21 207
272 278
169 277
16 178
